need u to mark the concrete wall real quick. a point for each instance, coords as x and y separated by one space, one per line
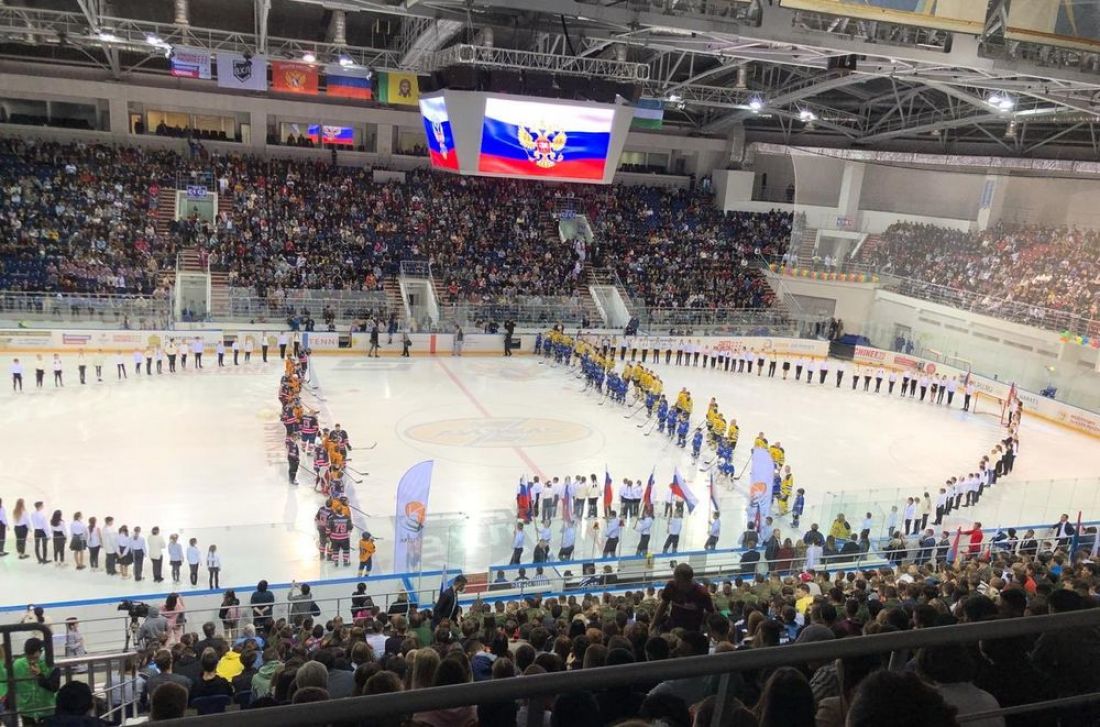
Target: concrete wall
921 192
851 301
1051 201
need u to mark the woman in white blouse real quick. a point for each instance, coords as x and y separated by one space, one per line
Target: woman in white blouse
78 539
95 542
60 533
125 557
21 521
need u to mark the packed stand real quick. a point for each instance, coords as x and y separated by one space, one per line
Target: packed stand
1047 267
78 218
253 659
674 248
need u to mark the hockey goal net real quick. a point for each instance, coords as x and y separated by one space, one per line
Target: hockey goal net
1002 408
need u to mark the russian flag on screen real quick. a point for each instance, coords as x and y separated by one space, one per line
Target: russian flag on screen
339 135
437 130
533 139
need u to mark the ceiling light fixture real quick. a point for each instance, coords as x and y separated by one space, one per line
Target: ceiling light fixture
756 104
346 61
309 57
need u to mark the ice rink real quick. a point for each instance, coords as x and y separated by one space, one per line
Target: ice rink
201 454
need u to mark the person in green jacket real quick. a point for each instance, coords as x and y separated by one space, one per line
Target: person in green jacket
33 701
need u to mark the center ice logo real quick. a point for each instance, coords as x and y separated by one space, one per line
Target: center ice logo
498 432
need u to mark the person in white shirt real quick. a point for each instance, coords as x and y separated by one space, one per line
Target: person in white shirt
519 542
568 541
16 370
713 532
644 526
57 372
125 556
823 370
110 538
968 392
811 369
283 340
542 547
170 350
175 556
137 357
865 527
98 362
248 346
612 533
156 554
193 556
120 365
213 566
59 533
910 514
840 367
197 348
184 349
41 527
78 533
149 353
219 349
537 489
137 551
880 373
892 379
158 356
39 371
952 387
236 352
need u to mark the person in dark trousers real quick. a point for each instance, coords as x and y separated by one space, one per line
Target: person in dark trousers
373 341
263 345
447 605
293 455
509 329
406 342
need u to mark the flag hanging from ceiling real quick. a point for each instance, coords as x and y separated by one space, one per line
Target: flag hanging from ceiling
401 89
648 114
241 73
293 78
348 82
189 62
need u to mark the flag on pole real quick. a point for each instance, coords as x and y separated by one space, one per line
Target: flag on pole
608 496
412 512
647 496
713 493
649 113
680 489
1076 542
523 500
953 553
567 505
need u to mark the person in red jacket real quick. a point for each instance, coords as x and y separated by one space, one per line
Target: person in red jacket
975 535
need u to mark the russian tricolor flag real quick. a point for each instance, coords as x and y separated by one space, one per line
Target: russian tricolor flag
523 501
647 496
608 496
680 489
535 139
437 130
348 83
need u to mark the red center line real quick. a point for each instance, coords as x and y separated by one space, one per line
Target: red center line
485 413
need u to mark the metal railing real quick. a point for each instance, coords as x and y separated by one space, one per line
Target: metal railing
244 304
126 311
416 268
722 321
1027 314
523 313
722 665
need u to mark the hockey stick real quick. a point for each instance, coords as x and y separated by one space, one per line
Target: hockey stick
635 411
363 474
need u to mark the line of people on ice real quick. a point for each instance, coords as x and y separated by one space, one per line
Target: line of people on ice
329 449
158 356
123 551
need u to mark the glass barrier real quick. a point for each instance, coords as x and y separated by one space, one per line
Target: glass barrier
123 311
344 306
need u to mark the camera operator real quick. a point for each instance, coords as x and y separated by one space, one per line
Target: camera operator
153 630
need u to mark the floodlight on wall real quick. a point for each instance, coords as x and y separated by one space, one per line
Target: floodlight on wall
309 57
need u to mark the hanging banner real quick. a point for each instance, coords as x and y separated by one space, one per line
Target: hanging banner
293 78
401 89
348 82
762 474
244 74
189 62
412 511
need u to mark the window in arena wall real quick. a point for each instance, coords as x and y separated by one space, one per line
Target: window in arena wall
171 119
217 124
409 141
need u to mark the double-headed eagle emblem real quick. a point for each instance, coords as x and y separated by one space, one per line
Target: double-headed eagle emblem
543 144
440 138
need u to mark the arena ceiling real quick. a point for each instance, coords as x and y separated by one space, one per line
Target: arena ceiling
720 65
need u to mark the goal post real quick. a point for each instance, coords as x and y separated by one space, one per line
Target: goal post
1001 407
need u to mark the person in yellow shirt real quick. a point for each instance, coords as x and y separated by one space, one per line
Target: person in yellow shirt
779 455
761 441
804 601
840 529
366 553
732 433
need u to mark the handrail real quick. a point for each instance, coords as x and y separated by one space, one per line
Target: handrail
501 690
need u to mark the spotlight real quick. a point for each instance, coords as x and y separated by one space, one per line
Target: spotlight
807 115
756 104
108 37
309 57
346 61
1001 102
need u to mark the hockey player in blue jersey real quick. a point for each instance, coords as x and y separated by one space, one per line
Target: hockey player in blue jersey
662 412
682 431
671 419
725 457
650 400
696 443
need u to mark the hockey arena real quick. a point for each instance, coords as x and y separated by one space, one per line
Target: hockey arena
451 363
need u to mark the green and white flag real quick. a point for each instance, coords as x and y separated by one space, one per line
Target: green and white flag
649 114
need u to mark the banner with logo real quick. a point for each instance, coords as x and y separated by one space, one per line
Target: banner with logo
401 89
189 62
293 78
762 474
240 73
412 511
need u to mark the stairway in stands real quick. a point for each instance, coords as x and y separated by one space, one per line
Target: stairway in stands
867 249
394 302
219 295
166 209
806 247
